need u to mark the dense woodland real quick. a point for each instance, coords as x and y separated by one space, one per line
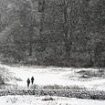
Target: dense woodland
53 32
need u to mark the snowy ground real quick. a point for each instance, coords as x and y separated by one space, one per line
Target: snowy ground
16 76
32 100
52 76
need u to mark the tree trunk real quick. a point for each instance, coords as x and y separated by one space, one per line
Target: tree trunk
30 48
41 10
31 40
67 40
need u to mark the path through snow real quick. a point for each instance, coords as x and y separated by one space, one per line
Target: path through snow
32 100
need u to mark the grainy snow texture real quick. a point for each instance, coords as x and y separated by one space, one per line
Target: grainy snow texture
53 76
32 100
17 76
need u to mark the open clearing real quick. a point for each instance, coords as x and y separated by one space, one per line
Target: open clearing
17 76
15 79
46 100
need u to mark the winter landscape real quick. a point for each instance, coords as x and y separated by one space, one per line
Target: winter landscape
50 80
52 52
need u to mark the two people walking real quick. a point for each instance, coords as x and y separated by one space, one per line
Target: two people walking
28 81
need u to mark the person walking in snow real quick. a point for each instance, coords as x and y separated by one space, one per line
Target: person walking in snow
28 82
32 80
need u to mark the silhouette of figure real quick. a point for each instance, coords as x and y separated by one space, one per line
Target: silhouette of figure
32 80
28 82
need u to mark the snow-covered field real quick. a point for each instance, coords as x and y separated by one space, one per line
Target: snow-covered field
32 100
51 76
16 76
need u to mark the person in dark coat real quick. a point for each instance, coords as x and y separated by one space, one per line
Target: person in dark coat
28 82
32 80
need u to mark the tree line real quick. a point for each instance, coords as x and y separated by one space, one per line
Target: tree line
53 32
